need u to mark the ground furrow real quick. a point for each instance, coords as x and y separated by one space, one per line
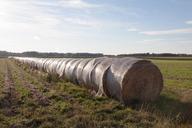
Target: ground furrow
26 82
9 101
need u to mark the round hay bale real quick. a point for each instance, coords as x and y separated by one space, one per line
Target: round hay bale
33 63
50 66
46 64
98 76
69 69
125 79
86 73
79 71
42 64
58 67
61 70
73 72
131 80
53 66
56 63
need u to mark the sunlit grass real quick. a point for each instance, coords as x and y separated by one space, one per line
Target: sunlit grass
74 106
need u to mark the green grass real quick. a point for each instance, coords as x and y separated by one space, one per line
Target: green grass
176 97
170 58
74 106
176 73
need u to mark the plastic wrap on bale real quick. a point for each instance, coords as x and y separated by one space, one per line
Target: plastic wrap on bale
69 69
62 68
86 74
131 80
59 67
128 80
98 76
80 68
73 71
52 66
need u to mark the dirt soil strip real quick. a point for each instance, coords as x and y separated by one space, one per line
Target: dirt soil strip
36 94
10 100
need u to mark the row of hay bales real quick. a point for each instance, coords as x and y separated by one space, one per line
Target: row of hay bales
125 79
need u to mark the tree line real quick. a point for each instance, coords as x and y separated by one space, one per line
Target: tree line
5 54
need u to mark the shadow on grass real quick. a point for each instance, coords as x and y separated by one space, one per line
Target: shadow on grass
174 109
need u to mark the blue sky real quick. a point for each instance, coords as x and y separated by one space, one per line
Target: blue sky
107 26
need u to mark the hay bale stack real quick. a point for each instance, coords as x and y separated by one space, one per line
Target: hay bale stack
128 80
132 80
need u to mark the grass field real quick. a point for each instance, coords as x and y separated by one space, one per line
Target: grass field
33 99
170 58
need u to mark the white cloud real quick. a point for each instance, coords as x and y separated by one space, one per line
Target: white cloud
189 22
83 22
22 21
175 39
153 40
132 29
33 13
37 37
167 32
78 4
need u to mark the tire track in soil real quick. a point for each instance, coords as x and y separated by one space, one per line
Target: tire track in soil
10 101
36 94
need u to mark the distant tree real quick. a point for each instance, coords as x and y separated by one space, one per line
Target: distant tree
5 54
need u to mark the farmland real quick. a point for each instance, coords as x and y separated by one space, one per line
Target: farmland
34 99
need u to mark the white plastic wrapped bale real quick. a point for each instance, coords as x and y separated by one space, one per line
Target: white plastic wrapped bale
43 64
86 74
69 69
80 68
61 70
39 63
73 71
53 66
59 66
29 61
47 65
131 80
33 63
98 76
125 79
